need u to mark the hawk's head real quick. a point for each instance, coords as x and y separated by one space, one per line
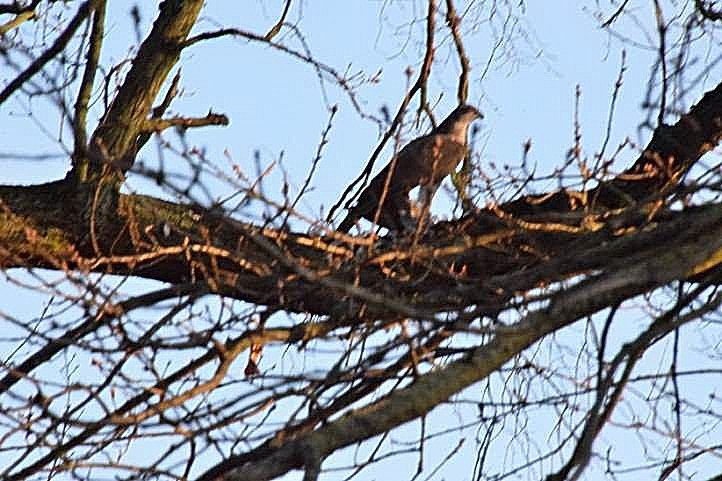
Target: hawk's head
457 123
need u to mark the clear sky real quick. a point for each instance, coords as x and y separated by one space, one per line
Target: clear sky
278 107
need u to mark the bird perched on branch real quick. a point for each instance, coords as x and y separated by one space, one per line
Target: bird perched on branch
423 162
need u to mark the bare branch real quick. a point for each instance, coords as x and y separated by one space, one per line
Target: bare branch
50 53
419 85
117 134
158 125
159 110
454 22
707 11
17 7
277 27
19 19
86 84
431 389
348 338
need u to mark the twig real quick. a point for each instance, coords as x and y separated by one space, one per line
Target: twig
86 85
319 66
454 21
277 27
662 29
610 117
314 164
616 14
420 82
50 53
19 19
157 125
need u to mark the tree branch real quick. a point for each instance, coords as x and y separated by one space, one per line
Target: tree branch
86 84
419 85
50 53
453 20
277 27
481 267
429 390
160 109
158 125
16 7
487 244
116 136
708 12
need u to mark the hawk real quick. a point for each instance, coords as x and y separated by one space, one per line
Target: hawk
424 162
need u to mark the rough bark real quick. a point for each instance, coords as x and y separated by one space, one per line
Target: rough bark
620 234
54 225
690 252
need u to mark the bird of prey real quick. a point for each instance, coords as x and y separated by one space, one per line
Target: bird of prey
423 162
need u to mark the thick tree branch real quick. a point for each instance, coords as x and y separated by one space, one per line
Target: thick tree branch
413 323
666 159
484 245
477 261
631 278
115 139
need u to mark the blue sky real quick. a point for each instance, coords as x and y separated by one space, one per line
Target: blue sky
276 105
